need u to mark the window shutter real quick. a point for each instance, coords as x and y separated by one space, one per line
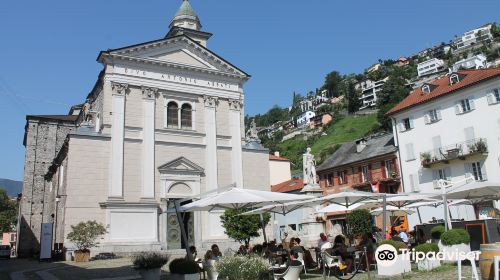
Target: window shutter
491 98
410 155
468 170
471 103
483 171
435 178
447 173
412 125
438 113
458 108
401 126
414 183
427 118
369 172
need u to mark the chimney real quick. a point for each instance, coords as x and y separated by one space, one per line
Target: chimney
360 145
277 153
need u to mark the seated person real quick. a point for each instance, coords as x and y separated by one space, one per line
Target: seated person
194 253
403 235
366 241
242 251
340 249
295 246
292 262
216 253
395 236
323 242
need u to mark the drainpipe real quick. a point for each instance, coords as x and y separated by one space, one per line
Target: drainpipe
395 131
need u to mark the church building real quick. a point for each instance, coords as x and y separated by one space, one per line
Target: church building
164 121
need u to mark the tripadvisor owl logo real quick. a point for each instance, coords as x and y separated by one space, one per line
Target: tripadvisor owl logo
386 255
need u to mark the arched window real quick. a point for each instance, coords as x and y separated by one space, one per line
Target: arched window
172 115
454 79
186 116
426 88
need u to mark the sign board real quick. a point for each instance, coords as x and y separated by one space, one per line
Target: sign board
46 241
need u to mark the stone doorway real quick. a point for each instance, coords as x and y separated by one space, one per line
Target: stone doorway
174 237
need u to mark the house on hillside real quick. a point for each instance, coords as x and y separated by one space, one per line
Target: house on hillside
448 129
374 67
369 90
401 61
473 37
320 120
368 164
430 66
473 62
304 119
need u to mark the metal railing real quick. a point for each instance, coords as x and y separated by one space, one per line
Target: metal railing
454 151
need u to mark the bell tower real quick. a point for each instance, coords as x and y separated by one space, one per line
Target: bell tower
186 22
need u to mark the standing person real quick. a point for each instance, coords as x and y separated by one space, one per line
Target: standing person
403 235
216 253
194 253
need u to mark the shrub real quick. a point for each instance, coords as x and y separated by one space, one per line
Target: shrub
243 268
396 244
437 231
149 260
427 247
360 222
84 234
455 236
183 266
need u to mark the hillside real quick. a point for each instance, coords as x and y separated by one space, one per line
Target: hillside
342 130
12 187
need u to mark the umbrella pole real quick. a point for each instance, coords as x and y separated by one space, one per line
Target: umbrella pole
419 217
263 227
183 230
384 218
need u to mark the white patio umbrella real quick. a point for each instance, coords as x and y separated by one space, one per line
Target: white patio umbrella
282 208
238 198
336 208
392 211
347 198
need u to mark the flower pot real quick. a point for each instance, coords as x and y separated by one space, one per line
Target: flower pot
150 274
82 256
426 265
401 266
450 252
194 276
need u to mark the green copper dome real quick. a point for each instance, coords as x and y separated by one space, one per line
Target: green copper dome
186 10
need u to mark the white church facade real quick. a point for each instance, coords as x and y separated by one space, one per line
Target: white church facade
164 121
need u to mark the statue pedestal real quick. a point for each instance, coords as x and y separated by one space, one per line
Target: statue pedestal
312 189
312 222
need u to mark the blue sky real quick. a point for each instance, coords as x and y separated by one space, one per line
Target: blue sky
48 48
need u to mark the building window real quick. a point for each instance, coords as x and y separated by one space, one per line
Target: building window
410 154
172 115
476 170
432 116
494 97
329 179
186 116
426 88
406 124
464 106
414 184
389 168
454 79
342 177
365 173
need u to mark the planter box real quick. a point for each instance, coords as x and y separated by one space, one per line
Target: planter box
402 265
184 276
82 256
426 265
448 250
150 274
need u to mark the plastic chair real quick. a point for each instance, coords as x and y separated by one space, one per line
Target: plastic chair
291 273
330 262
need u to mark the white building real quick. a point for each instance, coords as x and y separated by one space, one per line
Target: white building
305 118
449 129
430 66
473 36
369 90
474 62
164 121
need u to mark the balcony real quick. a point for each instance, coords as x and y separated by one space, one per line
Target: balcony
460 150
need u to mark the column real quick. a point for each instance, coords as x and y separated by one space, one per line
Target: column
211 142
235 130
117 136
148 142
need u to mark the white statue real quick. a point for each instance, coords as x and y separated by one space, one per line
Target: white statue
309 168
252 132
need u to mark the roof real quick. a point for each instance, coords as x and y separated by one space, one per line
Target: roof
443 88
277 158
347 154
64 118
294 184
186 10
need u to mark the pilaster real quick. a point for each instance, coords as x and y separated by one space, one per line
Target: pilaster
117 136
148 142
235 107
211 142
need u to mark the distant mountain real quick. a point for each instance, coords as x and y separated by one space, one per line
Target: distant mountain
12 187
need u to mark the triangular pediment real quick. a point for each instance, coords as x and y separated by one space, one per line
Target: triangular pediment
178 50
180 165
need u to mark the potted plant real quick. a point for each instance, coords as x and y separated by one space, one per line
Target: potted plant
85 235
436 233
481 147
452 242
402 263
182 269
427 249
149 264
425 158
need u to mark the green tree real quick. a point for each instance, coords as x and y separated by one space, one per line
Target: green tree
360 222
393 92
242 227
85 234
8 212
333 83
352 96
